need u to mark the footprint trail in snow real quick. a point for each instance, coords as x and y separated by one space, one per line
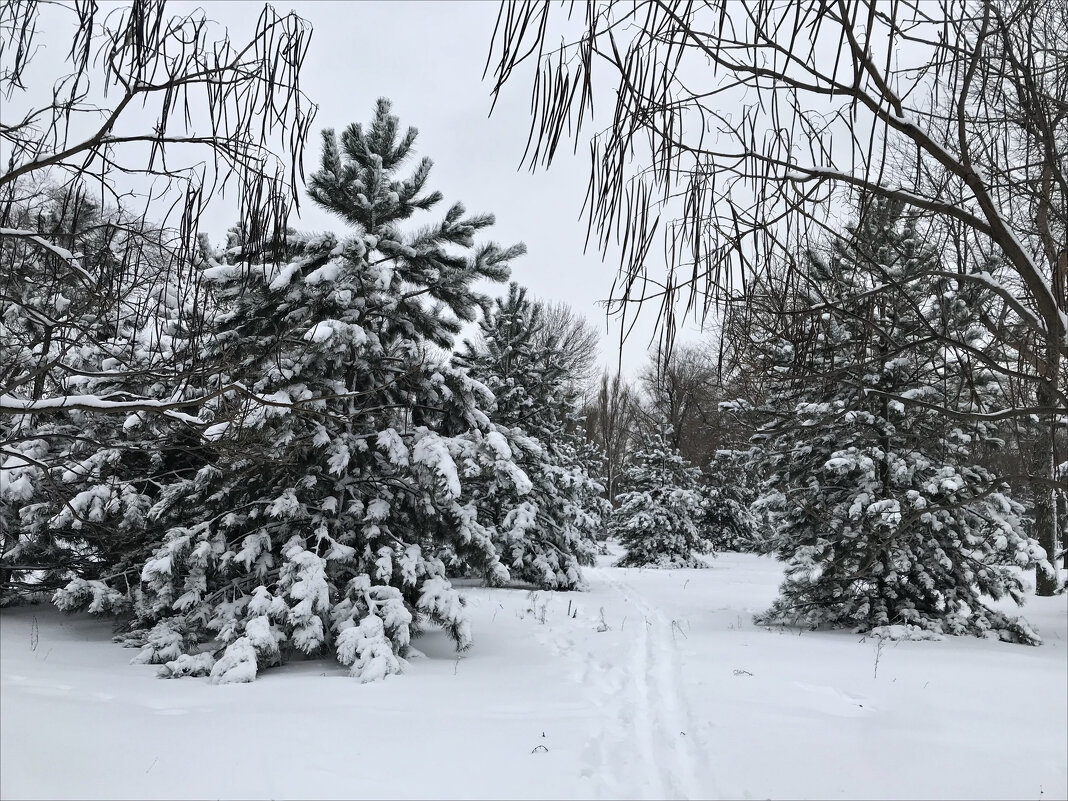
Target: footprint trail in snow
670 742
648 746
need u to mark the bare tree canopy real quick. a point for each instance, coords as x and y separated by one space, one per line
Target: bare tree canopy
610 419
149 116
137 58
577 341
740 128
679 388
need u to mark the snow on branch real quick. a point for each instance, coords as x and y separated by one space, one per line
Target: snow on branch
56 250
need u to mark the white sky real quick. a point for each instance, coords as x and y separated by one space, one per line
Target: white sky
428 58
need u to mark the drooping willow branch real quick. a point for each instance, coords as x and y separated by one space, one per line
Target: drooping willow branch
742 131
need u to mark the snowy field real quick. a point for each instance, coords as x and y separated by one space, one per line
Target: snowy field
655 684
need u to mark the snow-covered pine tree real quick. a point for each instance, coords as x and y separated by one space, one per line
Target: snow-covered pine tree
595 462
726 520
658 513
884 518
321 525
545 534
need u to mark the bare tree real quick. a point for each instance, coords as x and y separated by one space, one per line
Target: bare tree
755 121
577 341
679 388
610 420
149 117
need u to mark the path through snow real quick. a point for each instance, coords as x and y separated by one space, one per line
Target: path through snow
647 744
664 735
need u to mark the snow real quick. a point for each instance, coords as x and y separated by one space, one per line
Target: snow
92 403
328 272
320 332
63 253
431 450
284 275
654 684
215 432
500 445
238 663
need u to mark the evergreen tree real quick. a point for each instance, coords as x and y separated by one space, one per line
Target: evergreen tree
883 515
323 524
545 533
593 459
657 516
726 519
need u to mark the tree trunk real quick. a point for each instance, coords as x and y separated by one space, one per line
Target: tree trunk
1047 529
1062 520
1046 583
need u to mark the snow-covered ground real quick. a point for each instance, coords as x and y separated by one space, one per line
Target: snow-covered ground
654 684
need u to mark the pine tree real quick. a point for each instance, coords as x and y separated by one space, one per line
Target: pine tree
323 524
884 517
726 519
593 459
546 532
657 515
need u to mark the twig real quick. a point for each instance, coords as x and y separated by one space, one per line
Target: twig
878 655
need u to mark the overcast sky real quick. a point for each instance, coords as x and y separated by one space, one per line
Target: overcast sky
428 58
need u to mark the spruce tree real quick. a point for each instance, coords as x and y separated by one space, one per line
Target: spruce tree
323 525
545 530
657 515
884 516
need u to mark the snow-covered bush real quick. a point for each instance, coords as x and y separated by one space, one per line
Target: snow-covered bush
727 519
76 483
